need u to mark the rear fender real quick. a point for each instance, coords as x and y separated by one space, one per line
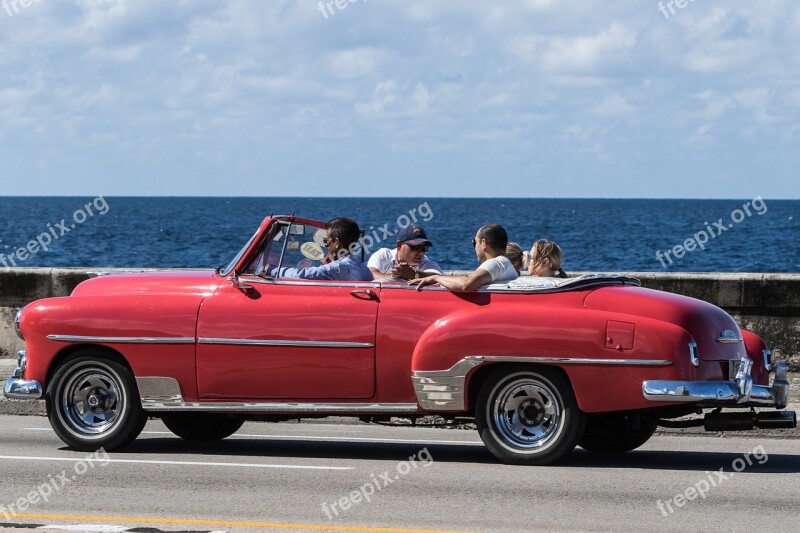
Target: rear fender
566 338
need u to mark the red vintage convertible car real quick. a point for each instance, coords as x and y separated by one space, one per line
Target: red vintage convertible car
542 365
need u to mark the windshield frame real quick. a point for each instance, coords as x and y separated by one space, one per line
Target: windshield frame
230 266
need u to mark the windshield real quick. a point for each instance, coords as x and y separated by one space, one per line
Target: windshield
297 245
232 264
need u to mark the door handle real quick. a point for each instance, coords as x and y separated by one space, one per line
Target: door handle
365 295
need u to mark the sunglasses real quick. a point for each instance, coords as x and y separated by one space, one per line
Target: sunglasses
418 247
326 241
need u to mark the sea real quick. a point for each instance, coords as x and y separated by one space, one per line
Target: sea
607 235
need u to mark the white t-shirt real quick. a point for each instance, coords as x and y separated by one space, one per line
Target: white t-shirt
384 259
500 268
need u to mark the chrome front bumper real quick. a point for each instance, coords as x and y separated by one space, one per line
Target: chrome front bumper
738 392
17 388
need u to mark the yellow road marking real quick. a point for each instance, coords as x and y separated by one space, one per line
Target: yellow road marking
224 523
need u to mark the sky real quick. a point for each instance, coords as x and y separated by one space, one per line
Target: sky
416 98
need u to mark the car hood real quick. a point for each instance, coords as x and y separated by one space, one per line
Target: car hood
705 322
201 283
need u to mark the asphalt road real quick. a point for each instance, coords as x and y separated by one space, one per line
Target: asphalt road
277 477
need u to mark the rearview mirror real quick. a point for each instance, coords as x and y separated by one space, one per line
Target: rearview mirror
297 229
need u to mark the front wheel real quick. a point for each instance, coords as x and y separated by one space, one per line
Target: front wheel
201 427
92 403
528 417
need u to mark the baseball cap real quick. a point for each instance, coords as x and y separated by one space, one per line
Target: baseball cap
413 235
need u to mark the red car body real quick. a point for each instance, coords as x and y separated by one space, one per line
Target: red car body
233 343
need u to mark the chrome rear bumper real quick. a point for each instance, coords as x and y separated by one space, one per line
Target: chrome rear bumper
18 388
738 392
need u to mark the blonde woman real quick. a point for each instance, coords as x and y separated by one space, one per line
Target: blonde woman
518 258
545 260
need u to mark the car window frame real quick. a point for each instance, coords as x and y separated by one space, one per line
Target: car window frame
270 239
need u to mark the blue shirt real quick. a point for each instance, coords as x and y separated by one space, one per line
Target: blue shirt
347 268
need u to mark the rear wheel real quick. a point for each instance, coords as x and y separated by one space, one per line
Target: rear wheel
617 432
92 403
528 417
201 427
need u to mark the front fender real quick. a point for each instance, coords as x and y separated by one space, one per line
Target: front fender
118 323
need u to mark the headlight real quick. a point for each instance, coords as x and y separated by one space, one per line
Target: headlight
16 323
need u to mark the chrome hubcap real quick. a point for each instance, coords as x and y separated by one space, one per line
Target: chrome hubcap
92 401
527 413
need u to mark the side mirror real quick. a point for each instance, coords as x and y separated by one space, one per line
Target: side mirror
237 283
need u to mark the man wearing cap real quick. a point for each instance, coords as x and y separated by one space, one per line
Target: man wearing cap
406 261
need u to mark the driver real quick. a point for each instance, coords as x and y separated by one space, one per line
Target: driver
341 237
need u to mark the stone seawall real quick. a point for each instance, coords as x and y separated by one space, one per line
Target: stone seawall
767 304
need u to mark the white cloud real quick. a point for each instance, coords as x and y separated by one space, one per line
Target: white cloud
124 54
589 53
702 136
385 93
251 85
355 63
716 105
758 100
613 105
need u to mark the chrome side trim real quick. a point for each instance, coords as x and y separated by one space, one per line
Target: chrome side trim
164 394
310 283
738 392
159 389
729 337
122 340
269 342
284 408
444 390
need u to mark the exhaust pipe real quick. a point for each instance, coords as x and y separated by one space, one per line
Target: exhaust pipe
749 421
777 420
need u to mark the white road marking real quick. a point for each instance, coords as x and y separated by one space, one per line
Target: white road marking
92 528
96 528
178 463
325 438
